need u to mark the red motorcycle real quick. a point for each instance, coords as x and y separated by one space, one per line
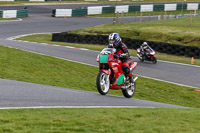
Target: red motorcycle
111 75
148 55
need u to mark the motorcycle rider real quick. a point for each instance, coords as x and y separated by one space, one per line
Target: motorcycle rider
116 42
145 47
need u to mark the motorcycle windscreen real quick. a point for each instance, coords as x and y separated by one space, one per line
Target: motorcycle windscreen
103 58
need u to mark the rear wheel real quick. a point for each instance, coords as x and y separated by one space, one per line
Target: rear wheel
103 83
129 92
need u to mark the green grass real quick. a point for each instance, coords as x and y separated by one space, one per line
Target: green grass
3 19
46 38
176 31
29 67
137 120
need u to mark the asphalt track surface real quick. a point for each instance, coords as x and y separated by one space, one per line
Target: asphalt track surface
21 94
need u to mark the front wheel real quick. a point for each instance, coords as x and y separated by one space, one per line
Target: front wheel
142 60
129 92
103 83
154 60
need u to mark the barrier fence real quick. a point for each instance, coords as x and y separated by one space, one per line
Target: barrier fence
14 13
124 8
1 14
173 49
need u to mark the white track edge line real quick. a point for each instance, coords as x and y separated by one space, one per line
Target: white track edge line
49 107
167 81
51 56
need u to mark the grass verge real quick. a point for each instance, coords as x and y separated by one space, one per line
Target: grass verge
177 31
138 120
3 19
30 67
46 38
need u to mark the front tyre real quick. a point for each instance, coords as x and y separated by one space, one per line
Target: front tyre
142 60
129 92
140 57
154 60
103 83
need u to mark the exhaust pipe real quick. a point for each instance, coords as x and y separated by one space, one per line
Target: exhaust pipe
125 87
139 56
135 79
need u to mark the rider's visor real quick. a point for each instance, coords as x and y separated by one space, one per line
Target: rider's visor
112 41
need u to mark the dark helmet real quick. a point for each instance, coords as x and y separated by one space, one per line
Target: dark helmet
114 39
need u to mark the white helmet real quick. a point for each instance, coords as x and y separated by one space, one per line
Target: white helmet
144 45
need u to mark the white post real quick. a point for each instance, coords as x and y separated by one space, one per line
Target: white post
182 7
140 17
136 16
195 12
191 19
122 17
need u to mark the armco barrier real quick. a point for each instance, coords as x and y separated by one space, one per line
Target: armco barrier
22 13
181 6
94 10
10 14
14 13
79 12
158 7
21 0
135 8
1 14
108 9
174 49
126 8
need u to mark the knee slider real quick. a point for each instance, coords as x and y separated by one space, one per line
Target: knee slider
126 69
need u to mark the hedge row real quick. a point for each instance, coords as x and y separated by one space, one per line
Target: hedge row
174 49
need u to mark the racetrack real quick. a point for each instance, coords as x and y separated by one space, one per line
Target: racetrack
20 94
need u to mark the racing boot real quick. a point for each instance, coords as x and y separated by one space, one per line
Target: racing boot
131 79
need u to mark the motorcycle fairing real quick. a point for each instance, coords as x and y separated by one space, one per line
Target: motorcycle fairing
120 79
118 82
106 71
103 58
